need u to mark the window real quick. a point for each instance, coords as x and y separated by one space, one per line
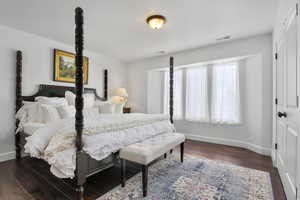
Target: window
196 94
212 93
177 91
225 107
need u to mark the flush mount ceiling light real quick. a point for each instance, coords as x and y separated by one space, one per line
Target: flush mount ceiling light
156 21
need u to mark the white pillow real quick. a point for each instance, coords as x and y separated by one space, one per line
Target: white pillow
50 113
106 108
70 111
30 127
119 108
91 112
88 99
33 114
66 111
70 97
47 115
98 103
51 100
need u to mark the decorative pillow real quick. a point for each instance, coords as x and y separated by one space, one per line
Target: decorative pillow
88 99
66 111
119 108
106 108
50 113
70 97
51 100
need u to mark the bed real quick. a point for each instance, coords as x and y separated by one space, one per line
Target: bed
85 164
91 166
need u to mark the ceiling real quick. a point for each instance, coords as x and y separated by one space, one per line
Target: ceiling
117 28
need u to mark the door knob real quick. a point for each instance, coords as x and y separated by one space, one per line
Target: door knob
282 114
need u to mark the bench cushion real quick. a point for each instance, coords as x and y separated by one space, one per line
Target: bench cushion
148 150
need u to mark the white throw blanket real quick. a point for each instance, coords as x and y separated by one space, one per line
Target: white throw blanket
102 136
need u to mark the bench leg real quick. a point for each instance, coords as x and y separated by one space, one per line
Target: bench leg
182 151
145 179
171 151
123 172
165 155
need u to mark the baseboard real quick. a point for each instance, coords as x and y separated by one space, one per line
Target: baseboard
7 156
229 142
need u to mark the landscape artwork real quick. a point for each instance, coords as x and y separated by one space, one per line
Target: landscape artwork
64 67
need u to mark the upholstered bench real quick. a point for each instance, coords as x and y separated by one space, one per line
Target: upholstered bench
147 151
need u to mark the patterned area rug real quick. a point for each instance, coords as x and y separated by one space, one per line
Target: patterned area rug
196 179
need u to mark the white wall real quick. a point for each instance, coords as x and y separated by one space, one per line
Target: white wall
256 134
284 9
38 69
154 89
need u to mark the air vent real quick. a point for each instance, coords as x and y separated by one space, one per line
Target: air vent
161 52
227 37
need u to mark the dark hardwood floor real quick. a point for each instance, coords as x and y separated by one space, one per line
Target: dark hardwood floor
28 181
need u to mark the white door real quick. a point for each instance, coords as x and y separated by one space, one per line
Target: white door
288 115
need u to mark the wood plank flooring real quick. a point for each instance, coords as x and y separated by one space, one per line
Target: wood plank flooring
31 180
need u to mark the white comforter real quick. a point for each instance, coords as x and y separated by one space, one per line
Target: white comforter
102 136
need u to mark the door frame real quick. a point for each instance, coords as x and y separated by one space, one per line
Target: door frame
274 116
298 94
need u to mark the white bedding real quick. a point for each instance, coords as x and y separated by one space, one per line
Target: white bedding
30 127
102 135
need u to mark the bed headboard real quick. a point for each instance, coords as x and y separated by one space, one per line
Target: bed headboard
59 91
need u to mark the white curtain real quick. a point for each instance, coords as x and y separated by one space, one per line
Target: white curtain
225 107
196 94
177 93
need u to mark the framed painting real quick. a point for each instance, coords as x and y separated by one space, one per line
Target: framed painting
64 67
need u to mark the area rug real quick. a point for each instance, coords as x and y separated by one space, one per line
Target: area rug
196 179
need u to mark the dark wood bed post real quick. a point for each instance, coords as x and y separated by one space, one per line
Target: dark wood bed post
105 84
171 102
80 176
18 100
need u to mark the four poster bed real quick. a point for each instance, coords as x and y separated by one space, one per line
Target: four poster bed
85 164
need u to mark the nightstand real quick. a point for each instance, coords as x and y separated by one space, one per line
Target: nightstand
126 110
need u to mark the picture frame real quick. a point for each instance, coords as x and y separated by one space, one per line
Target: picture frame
65 69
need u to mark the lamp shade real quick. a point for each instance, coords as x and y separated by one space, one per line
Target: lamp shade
117 100
121 92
